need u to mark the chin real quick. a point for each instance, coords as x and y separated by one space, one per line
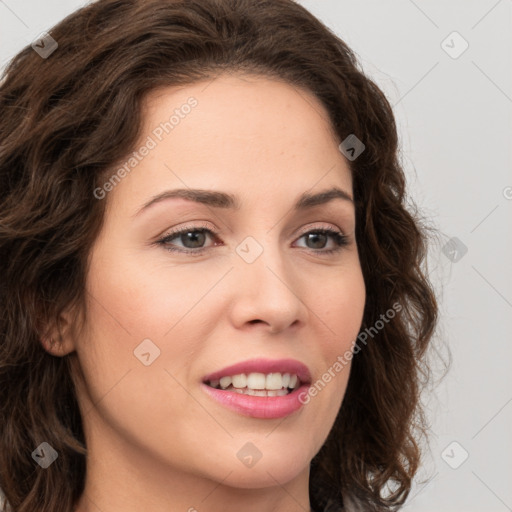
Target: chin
276 465
264 475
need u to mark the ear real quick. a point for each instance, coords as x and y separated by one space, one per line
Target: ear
59 339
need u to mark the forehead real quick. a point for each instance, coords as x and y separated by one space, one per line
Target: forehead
243 104
250 135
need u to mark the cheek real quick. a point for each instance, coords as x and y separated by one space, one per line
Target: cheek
137 298
340 306
127 319
135 309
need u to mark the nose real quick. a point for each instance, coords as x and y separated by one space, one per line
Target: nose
267 294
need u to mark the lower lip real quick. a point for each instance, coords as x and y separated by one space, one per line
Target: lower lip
266 407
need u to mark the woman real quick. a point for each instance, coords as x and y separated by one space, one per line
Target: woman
212 292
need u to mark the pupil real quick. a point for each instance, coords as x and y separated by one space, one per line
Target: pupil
314 237
192 236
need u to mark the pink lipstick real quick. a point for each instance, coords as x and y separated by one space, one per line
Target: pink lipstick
260 388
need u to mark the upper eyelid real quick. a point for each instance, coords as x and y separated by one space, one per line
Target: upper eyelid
205 227
307 229
342 240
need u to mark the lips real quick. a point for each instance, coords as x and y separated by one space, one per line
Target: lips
260 388
265 366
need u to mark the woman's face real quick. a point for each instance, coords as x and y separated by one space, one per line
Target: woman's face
167 312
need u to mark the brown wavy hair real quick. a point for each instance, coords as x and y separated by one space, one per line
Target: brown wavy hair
68 118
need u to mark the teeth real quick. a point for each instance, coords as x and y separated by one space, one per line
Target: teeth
225 382
274 381
239 381
258 384
256 380
259 392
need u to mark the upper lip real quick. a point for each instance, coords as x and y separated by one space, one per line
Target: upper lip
264 366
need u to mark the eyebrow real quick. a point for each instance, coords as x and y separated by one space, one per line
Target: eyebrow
219 199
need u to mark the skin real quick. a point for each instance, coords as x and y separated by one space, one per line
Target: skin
156 440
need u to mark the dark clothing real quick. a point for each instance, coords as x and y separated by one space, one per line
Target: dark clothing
321 500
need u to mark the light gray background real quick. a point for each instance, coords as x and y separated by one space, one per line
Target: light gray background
455 121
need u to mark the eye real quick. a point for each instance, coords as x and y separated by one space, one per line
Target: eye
193 239
319 238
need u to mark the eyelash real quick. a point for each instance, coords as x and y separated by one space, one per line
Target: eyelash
340 239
